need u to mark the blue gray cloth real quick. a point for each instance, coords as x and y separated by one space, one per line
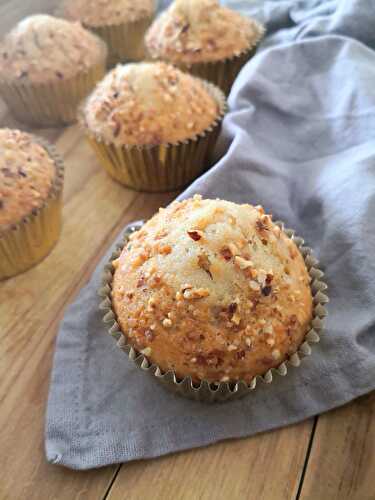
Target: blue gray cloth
300 140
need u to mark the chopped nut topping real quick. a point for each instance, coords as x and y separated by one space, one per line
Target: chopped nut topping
195 234
269 277
193 360
150 335
232 347
232 247
262 276
165 249
254 285
224 379
266 290
240 354
236 318
270 341
197 293
261 225
276 354
260 209
248 341
226 253
243 263
167 323
204 263
253 273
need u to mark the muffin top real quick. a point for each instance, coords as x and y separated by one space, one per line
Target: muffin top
95 13
149 103
213 290
192 31
42 48
27 173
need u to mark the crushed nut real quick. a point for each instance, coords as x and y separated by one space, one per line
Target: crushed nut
254 285
248 341
266 290
232 347
276 354
243 263
165 249
195 235
270 341
197 293
236 318
204 263
167 323
224 379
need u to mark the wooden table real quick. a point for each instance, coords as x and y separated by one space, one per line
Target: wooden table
324 458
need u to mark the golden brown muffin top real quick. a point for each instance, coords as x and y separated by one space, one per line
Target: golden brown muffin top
41 48
192 31
149 103
95 13
212 289
26 176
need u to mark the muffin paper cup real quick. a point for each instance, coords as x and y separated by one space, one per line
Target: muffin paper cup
51 103
27 242
223 391
163 167
223 72
125 41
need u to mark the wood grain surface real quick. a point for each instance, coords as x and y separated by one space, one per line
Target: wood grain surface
326 458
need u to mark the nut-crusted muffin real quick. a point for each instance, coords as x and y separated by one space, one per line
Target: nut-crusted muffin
192 31
47 66
212 290
31 177
42 48
148 104
205 38
96 13
121 23
26 176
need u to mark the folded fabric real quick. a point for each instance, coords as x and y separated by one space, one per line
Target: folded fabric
299 140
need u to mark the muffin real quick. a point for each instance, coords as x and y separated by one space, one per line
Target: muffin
152 125
120 23
47 66
202 37
31 180
213 292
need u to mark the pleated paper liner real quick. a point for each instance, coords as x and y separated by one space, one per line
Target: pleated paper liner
125 41
50 103
27 242
223 72
223 391
158 168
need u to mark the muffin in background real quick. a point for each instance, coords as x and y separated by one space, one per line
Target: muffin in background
120 23
31 182
47 66
212 290
152 125
204 38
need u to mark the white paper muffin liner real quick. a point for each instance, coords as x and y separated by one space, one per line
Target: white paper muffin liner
223 391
